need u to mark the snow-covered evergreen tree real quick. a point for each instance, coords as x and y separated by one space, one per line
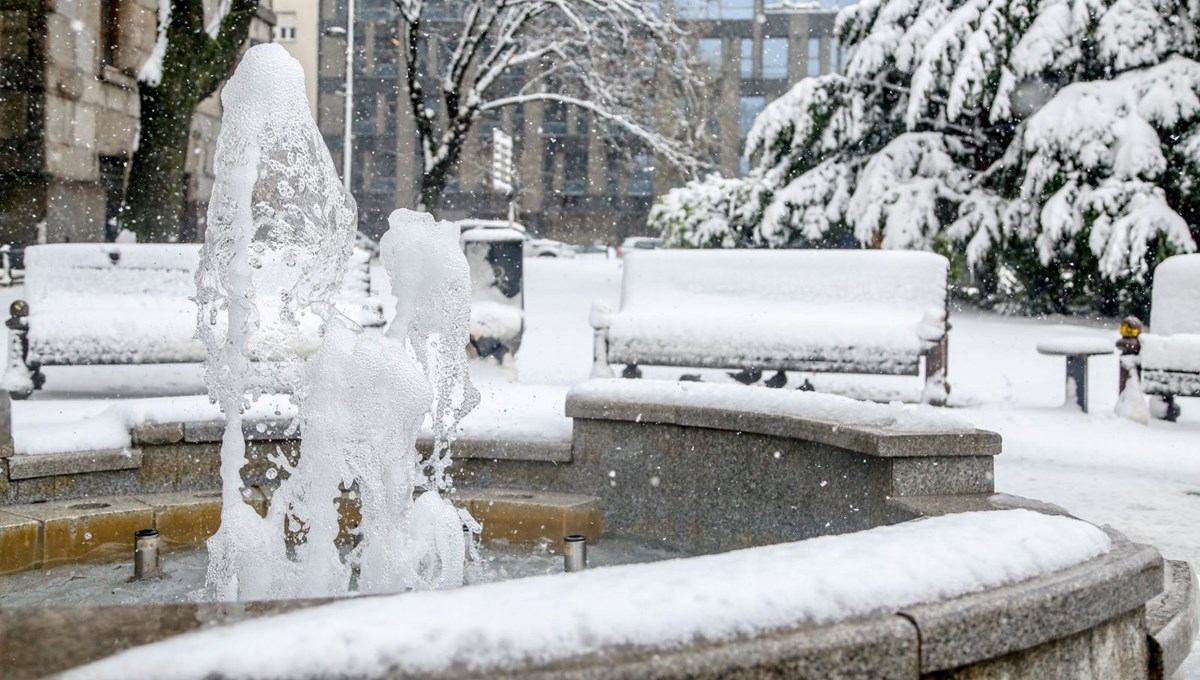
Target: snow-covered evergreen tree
1056 142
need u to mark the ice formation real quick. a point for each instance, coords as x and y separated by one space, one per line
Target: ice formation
280 231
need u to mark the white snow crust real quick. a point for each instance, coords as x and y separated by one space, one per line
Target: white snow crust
87 307
1175 305
660 605
1173 343
1076 344
849 308
827 408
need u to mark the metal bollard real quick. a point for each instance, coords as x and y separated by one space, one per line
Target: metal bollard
575 552
145 554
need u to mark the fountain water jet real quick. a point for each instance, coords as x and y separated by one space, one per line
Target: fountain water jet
280 229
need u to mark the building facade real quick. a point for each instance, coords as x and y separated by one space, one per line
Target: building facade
296 29
69 113
580 180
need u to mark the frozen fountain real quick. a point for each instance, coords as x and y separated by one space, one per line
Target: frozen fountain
827 538
280 228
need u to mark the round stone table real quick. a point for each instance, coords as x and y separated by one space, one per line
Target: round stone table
1076 349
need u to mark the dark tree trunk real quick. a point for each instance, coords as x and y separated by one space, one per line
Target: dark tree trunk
156 193
433 187
194 66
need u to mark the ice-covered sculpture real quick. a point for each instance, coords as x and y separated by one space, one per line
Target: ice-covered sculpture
280 229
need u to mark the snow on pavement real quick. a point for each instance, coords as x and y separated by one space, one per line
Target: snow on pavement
1144 480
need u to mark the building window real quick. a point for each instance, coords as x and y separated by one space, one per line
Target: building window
582 121
775 58
748 110
285 27
814 57
708 53
575 168
612 170
549 152
364 114
387 52
747 69
641 183
714 9
554 119
110 29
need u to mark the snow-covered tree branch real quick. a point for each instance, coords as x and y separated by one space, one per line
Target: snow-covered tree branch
1057 138
583 53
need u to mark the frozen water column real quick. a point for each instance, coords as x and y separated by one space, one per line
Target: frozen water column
280 229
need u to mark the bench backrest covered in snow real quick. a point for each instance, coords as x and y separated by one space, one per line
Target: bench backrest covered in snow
129 303
1170 353
852 311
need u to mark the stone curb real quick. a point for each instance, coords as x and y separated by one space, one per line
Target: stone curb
1020 616
868 440
545 450
1173 620
30 466
920 640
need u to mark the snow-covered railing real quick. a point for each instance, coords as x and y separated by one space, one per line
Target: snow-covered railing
842 311
1169 354
99 303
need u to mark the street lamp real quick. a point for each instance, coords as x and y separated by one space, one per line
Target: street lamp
348 91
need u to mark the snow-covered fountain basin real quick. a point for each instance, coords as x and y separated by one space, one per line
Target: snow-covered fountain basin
977 585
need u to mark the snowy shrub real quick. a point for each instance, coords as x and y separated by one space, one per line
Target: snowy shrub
1051 145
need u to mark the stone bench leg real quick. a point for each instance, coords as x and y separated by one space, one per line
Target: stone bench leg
1077 375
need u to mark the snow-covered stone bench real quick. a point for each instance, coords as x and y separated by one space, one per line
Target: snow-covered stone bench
93 303
841 311
1170 350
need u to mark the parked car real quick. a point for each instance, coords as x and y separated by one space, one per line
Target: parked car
533 247
545 247
638 243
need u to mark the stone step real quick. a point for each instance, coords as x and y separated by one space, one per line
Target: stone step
101 528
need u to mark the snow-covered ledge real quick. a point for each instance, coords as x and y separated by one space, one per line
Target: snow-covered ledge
888 430
1015 590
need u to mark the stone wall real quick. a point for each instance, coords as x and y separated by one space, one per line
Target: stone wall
69 119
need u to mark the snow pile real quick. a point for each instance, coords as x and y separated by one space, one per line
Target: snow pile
109 303
854 309
93 303
716 598
1131 404
506 412
62 426
1175 307
1174 341
826 408
1076 343
280 230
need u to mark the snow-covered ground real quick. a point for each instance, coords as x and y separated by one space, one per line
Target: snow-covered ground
1142 479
